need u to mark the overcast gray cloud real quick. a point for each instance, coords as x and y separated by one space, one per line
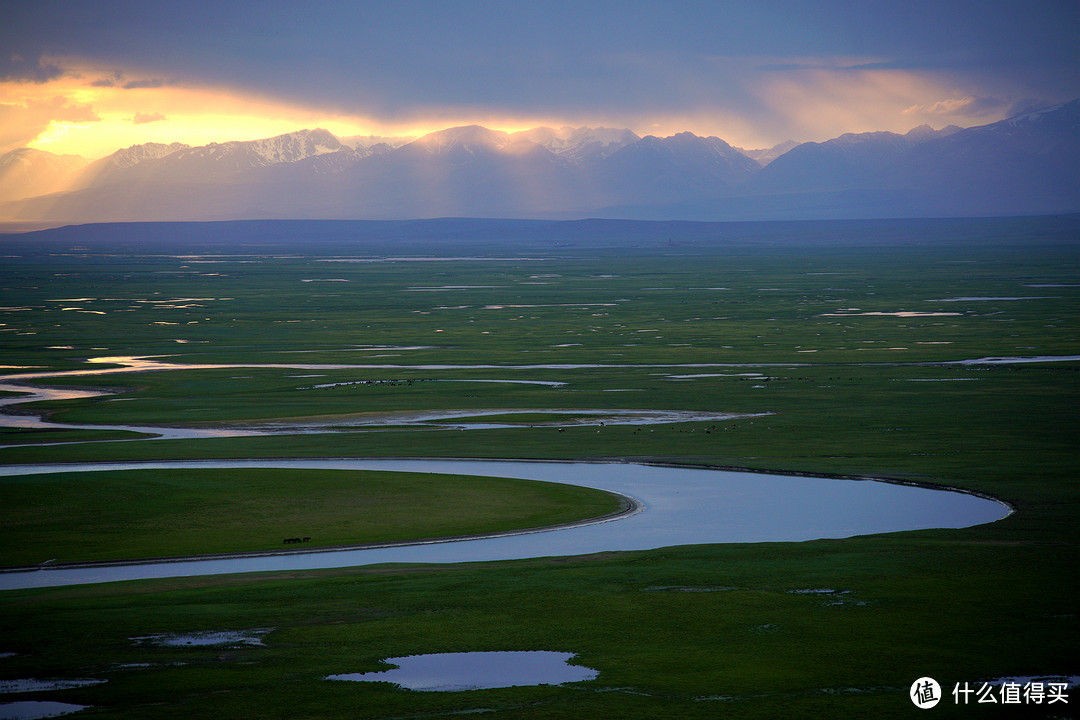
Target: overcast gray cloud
400 61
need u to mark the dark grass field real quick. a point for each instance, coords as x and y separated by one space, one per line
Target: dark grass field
778 321
80 517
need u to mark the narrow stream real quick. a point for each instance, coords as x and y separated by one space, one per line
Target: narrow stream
419 420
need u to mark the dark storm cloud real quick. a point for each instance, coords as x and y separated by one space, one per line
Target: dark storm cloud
151 83
399 59
16 67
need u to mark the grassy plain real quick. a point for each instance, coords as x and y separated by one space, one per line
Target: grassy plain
80 517
846 333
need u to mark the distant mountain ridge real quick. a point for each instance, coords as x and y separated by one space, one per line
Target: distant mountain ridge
27 172
849 160
1028 164
764 156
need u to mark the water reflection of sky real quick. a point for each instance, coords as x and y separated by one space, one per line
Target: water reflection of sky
36 709
682 506
455 672
16 383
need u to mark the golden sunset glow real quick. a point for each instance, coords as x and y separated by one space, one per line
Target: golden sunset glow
71 116
822 100
813 100
93 111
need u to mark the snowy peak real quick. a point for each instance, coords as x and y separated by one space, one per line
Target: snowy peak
865 138
474 146
925 132
216 162
1065 114
295 146
365 145
673 169
141 153
573 145
687 149
1038 149
466 137
288 148
764 156
579 144
605 135
1026 164
713 144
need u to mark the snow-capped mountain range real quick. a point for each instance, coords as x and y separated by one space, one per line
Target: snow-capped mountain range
1028 164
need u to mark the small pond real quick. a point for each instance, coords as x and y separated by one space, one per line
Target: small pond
455 672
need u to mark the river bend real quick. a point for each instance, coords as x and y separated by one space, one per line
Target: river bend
680 506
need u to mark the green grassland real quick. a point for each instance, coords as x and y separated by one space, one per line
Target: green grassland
833 391
15 436
116 515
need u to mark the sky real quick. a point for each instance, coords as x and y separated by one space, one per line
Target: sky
88 78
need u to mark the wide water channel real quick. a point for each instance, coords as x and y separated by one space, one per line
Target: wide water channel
679 506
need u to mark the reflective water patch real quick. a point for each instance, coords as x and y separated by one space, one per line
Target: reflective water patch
455 672
21 685
33 709
220 637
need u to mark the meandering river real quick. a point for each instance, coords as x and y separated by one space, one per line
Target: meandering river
23 391
680 506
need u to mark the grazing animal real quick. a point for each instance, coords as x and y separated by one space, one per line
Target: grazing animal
291 540
307 539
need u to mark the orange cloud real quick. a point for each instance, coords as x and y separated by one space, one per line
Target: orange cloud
22 122
94 117
822 102
192 115
143 118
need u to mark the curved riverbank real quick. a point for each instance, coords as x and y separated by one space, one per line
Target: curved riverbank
676 506
630 506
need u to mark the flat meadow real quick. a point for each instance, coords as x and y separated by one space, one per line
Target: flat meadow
942 353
